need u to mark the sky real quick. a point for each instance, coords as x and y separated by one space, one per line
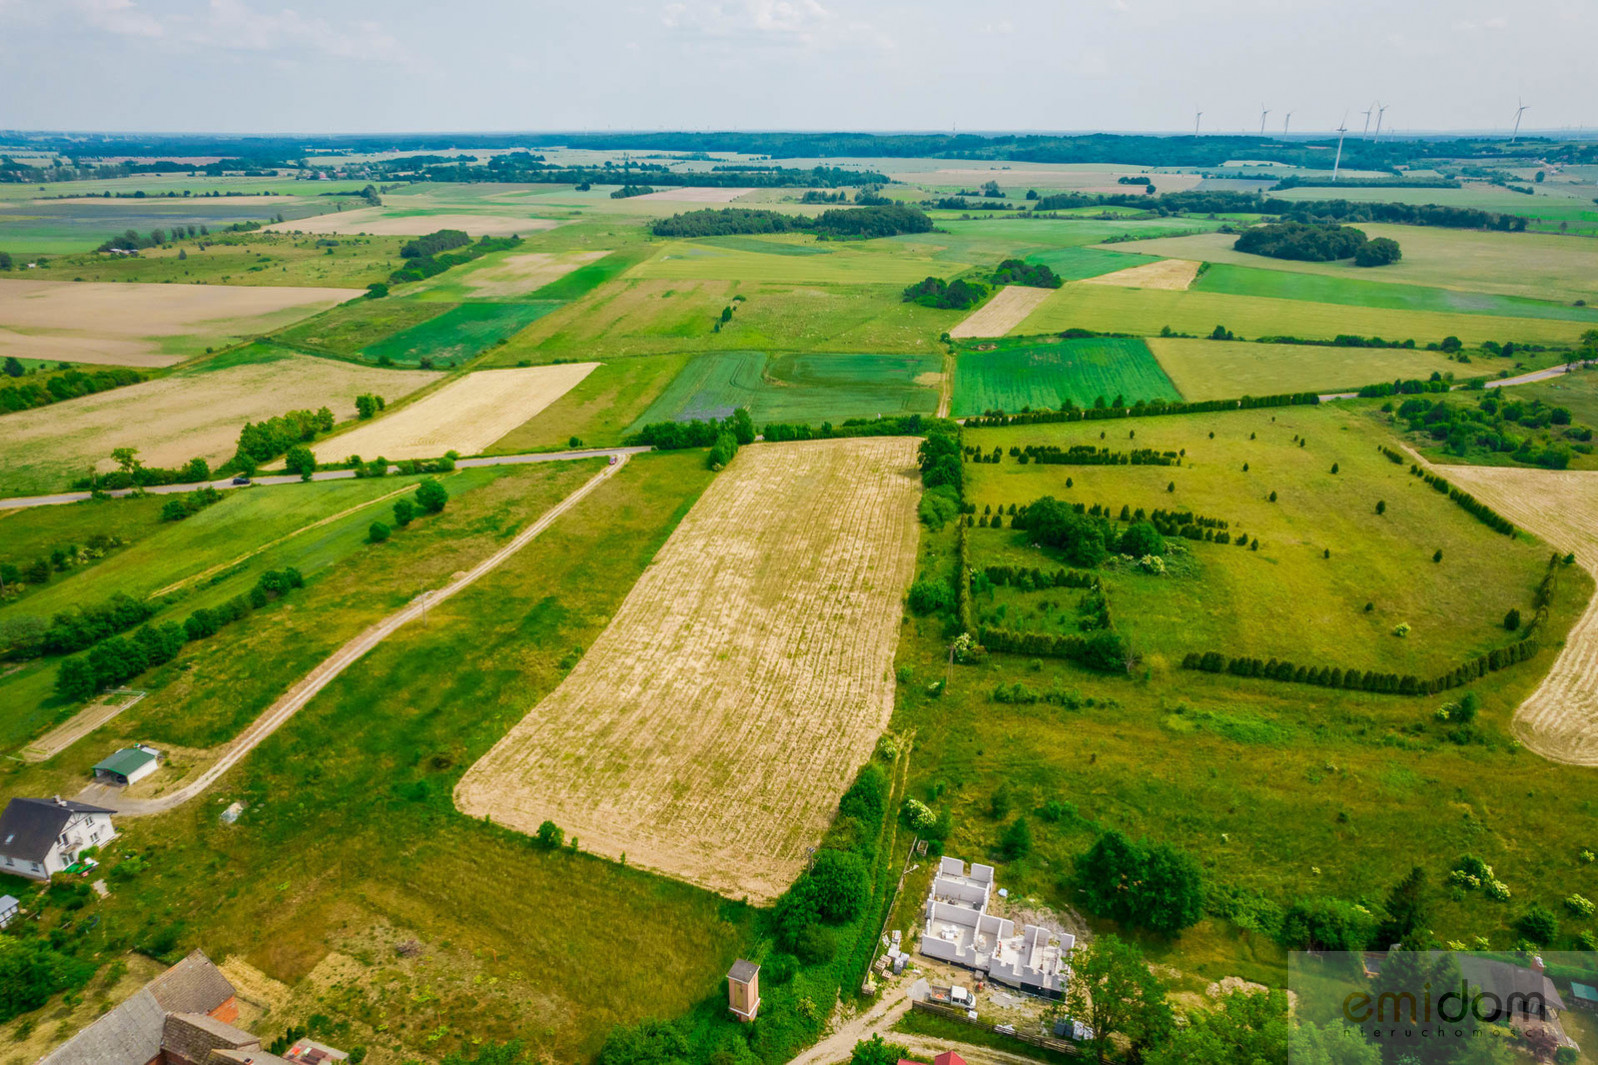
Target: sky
326 66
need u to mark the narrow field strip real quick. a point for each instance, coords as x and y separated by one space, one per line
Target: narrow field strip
303 692
1560 719
466 415
220 566
1006 310
712 727
1172 275
80 724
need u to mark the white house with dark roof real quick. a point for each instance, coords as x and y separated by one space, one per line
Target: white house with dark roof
41 837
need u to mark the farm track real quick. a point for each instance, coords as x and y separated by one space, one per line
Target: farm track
276 715
712 727
1559 720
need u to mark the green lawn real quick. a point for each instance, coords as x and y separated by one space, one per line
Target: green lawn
1225 369
590 276
1289 790
243 259
807 388
457 335
33 532
1147 311
1041 372
1074 264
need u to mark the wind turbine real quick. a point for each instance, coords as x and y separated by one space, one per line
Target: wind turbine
1196 116
1285 122
1367 112
1381 109
1342 131
1518 112
1263 113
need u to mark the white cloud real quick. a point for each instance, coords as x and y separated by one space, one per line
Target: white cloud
777 22
1004 26
119 17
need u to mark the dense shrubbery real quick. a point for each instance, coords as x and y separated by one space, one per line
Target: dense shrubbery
1306 242
118 659
1103 650
1152 886
67 384
1383 251
956 295
902 425
433 243
432 255
1016 272
1527 430
627 192
263 441
1088 455
850 223
186 503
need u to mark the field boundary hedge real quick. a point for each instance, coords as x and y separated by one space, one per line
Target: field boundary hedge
1140 409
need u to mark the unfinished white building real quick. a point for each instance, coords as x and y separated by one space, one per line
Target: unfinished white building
961 930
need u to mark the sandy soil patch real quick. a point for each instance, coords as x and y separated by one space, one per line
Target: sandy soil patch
1560 719
378 222
517 275
1173 275
117 323
694 194
1006 310
466 415
711 729
173 419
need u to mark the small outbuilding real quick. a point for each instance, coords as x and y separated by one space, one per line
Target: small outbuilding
128 766
8 909
1583 995
743 989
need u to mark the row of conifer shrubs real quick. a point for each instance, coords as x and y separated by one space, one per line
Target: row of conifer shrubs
1469 503
1363 680
1087 455
1102 649
1140 409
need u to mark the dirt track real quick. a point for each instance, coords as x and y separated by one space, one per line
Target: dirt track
296 697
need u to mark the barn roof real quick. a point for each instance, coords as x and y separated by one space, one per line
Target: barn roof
127 760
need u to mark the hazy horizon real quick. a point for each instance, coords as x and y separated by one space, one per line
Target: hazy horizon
1136 66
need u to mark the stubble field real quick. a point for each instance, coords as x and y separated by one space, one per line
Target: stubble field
466 415
125 324
1007 309
179 417
710 730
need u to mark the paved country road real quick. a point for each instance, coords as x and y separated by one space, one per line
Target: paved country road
296 697
19 502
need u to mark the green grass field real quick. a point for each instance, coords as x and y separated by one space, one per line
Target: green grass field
1039 372
1074 264
599 409
801 388
1370 290
1577 391
242 259
590 276
1148 311
1531 265
350 327
657 317
459 334
1220 369
1282 789
845 262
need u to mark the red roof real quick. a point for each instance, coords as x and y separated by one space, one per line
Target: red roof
948 1057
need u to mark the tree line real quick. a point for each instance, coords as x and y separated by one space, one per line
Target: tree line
424 263
118 659
849 223
65 384
956 295
674 436
1141 409
898 425
1313 242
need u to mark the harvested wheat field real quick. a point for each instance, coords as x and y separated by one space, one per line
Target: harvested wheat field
123 324
1172 275
517 275
1560 719
693 194
377 221
711 729
465 416
179 417
1007 309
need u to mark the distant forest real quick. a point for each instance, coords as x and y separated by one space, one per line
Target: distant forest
851 223
1134 149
